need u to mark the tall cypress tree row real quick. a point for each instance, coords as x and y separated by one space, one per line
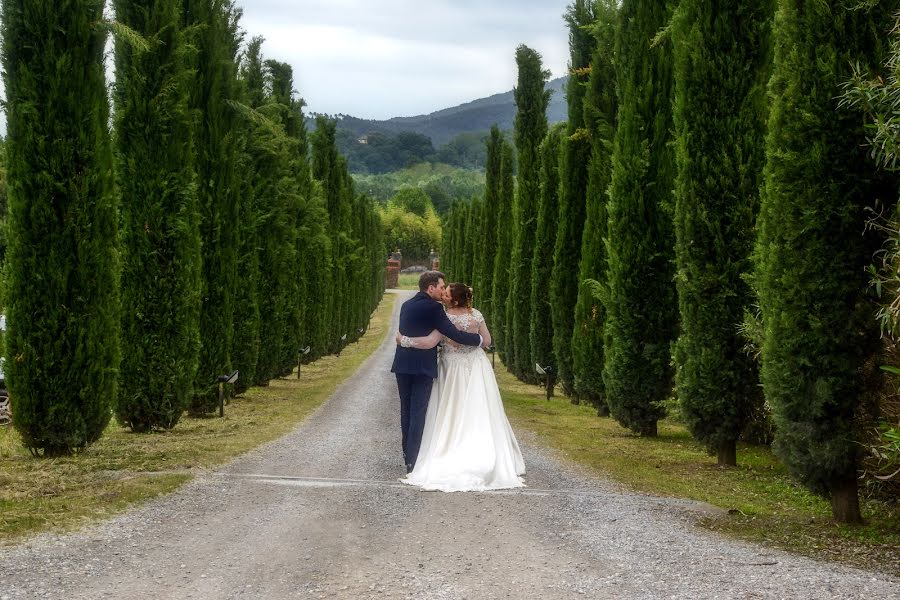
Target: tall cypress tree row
312 243
576 152
296 194
530 129
330 170
542 259
504 242
641 304
215 86
721 70
160 218
484 277
62 272
245 348
270 151
818 329
600 118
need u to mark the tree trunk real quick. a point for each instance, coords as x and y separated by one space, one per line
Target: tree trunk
727 454
649 430
845 502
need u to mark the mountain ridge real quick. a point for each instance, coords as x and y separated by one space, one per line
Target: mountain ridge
473 116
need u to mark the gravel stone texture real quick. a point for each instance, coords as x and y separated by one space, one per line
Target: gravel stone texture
320 514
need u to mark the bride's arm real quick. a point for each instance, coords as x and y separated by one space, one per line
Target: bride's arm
420 343
485 334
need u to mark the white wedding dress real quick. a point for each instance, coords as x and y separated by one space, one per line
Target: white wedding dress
467 443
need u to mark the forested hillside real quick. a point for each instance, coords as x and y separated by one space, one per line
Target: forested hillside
475 116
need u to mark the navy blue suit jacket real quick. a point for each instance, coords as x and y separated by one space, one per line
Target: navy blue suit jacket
419 316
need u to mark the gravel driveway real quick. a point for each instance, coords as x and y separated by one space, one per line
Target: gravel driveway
320 514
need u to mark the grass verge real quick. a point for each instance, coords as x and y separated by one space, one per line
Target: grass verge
764 503
408 281
123 468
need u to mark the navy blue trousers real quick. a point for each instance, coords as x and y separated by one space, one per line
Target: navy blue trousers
415 390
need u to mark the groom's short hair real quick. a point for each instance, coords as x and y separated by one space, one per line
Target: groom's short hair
430 278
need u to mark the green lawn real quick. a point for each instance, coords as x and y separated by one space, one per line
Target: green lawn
764 504
409 281
123 468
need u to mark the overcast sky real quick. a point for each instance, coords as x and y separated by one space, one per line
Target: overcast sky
387 58
396 58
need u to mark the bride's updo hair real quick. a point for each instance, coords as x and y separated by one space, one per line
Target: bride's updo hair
460 295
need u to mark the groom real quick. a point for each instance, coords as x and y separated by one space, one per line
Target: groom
416 369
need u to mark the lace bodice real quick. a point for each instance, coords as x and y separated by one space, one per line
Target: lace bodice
470 322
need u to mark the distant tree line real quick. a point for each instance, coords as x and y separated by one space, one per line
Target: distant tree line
696 229
443 184
378 153
206 232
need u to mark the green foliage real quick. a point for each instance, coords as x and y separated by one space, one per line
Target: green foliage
245 348
381 153
159 218
414 200
215 87
414 235
722 58
466 150
4 205
641 304
599 118
443 184
62 277
574 162
542 331
819 330
483 280
504 242
530 129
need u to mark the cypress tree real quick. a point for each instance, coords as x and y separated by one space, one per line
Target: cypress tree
312 220
295 191
159 216
818 328
62 271
484 288
600 117
576 153
275 190
542 260
329 169
641 304
504 242
246 342
462 220
721 70
530 129
215 86
470 239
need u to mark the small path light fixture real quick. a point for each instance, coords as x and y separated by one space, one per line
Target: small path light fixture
300 354
341 343
493 350
548 373
222 380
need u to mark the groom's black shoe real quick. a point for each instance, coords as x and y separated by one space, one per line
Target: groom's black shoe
409 469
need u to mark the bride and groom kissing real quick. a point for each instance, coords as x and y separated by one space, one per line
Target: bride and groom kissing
455 433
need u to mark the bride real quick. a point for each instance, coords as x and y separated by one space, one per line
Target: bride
467 444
